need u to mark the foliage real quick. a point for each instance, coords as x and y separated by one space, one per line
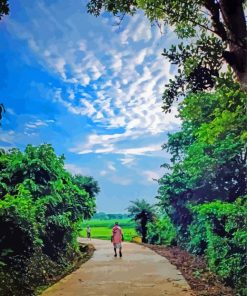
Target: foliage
207 178
214 32
219 230
4 8
161 231
88 184
142 213
198 66
40 208
208 154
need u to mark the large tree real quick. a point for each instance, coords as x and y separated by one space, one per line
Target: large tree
208 154
214 32
41 209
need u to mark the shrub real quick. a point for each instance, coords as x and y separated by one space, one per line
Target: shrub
41 206
219 231
162 232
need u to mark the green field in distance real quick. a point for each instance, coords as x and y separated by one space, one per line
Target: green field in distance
102 228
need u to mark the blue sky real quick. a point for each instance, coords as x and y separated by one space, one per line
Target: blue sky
90 88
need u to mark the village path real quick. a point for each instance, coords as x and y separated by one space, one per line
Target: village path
140 272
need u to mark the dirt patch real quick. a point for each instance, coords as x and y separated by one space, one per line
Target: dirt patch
195 271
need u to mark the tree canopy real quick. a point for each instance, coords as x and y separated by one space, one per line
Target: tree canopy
41 210
88 184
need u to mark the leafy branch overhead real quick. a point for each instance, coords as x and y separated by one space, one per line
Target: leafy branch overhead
4 8
215 31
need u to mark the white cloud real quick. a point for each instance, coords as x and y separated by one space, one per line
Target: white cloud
103 173
147 150
10 111
113 149
114 78
132 76
111 166
8 136
75 169
151 176
121 180
38 123
127 160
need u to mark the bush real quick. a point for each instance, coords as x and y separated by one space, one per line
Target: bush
162 232
41 205
219 231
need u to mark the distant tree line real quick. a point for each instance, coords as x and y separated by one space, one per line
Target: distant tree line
105 216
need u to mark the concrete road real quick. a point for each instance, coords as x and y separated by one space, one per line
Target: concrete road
140 272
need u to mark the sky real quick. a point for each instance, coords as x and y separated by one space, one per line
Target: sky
92 88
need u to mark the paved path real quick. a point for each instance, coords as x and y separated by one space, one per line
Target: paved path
140 272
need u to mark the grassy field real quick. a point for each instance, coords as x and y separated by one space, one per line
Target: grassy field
102 228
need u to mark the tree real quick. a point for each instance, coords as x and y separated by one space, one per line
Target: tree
4 8
142 213
88 184
41 209
218 31
208 155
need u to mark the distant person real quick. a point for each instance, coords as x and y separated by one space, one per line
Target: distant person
116 239
88 230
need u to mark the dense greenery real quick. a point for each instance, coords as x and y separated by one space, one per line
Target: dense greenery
142 212
219 231
161 231
208 154
41 208
203 191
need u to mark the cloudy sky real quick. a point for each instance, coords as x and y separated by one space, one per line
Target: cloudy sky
90 87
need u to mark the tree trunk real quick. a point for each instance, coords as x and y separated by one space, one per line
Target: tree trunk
144 230
234 20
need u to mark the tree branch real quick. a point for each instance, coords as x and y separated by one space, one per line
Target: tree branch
214 9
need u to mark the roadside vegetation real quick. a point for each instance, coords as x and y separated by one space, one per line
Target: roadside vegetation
41 208
202 202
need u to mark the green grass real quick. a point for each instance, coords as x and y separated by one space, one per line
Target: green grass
103 228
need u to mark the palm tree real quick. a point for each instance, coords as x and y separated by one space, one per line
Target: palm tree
142 212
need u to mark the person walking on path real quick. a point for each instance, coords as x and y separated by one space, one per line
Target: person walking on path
88 230
116 239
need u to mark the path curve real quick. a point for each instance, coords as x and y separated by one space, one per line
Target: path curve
140 272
